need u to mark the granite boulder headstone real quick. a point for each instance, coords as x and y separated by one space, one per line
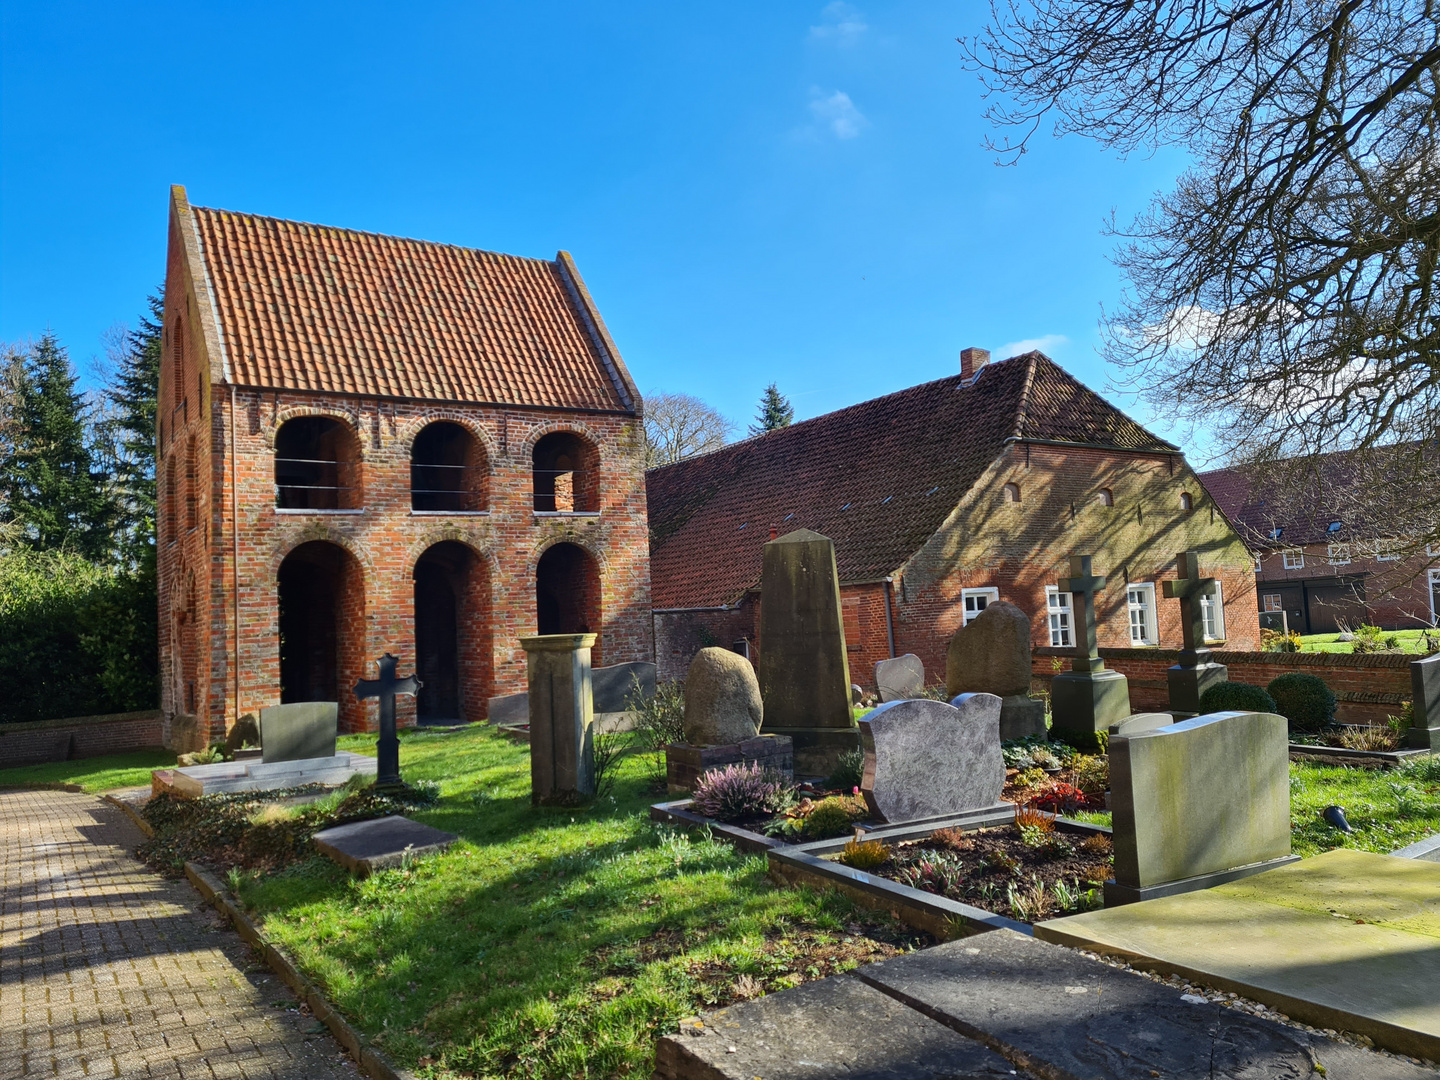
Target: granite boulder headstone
295 732
925 758
991 655
900 677
722 699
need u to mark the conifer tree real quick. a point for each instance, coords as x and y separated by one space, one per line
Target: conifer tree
49 487
134 387
775 412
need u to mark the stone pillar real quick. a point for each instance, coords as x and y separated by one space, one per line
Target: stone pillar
804 670
562 754
1425 682
1196 672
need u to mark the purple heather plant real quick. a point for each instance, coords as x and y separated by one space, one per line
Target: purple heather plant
742 791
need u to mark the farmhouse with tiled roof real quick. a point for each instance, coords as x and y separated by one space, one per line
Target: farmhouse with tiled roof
940 499
372 444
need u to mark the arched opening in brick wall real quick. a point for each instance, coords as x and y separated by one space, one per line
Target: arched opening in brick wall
447 470
186 646
567 593
452 634
171 501
567 474
322 623
317 465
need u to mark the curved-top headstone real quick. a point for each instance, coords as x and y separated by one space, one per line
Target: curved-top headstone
900 677
722 699
925 758
992 654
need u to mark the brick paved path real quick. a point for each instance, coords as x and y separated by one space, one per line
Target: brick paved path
108 969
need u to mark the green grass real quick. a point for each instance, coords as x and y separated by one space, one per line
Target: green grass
1388 808
546 943
93 774
1411 641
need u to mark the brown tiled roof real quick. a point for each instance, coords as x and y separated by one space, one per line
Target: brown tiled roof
307 307
878 478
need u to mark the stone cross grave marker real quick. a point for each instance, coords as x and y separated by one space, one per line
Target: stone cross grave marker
1195 672
1198 803
1089 697
925 758
900 677
385 688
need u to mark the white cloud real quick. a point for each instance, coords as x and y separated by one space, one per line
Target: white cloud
842 24
838 113
1037 344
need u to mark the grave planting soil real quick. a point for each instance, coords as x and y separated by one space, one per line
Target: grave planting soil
999 871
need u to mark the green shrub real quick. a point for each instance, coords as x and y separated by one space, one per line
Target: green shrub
1304 700
1237 696
834 816
849 770
1367 640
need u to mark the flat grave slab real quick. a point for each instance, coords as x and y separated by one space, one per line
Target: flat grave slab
834 1027
224 777
1346 940
363 847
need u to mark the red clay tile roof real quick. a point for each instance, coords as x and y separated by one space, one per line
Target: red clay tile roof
307 307
878 478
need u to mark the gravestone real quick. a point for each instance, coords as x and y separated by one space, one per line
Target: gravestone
925 758
610 691
1089 697
1196 672
1145 721
362 847
900 677
992 656
562 751
1198 803
295 732
1425 700
722 699
385 688
245 732
804 671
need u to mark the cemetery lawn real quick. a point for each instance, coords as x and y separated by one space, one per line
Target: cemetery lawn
95 774
548 943
1410 641
1388 808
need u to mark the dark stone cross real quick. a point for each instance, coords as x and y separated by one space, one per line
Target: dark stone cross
385 688
1190 588
1084 584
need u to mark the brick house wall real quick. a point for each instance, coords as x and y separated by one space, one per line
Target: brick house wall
1394 594
220 637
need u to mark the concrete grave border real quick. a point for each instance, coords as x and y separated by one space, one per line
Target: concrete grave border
676 813
804 864
1379 757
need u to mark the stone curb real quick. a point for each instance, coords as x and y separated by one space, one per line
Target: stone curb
44 785
135 815
372 1063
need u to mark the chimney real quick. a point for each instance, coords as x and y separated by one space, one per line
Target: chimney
971 361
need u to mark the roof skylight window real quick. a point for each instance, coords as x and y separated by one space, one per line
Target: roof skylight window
742 525
933 490
847 506
887 499
1276 532
1334 526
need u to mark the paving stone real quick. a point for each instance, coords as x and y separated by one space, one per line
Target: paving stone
95 950
822 1030
363 847
1064 1014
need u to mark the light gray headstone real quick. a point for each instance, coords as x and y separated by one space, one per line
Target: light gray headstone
925 758
306 729
1140 722
722 699
900 677
1199 797
612 686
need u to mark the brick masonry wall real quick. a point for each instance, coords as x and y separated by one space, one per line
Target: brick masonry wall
383 537
80 737
1398 594
1368 687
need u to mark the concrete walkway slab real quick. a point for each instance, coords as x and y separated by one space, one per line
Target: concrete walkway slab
1346 940
109 969
363 847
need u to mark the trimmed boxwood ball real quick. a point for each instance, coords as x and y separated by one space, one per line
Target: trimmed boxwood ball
1236 696
1304 700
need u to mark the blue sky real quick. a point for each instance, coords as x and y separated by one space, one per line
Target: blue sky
786 191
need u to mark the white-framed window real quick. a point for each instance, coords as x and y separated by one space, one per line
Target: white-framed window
977 600
1432 549
1294 559
1387 550
1273 602
1212 614
1057 605
1140 599
1259 566
1339 554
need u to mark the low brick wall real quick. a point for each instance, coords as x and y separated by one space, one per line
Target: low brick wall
80 737
1369 687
